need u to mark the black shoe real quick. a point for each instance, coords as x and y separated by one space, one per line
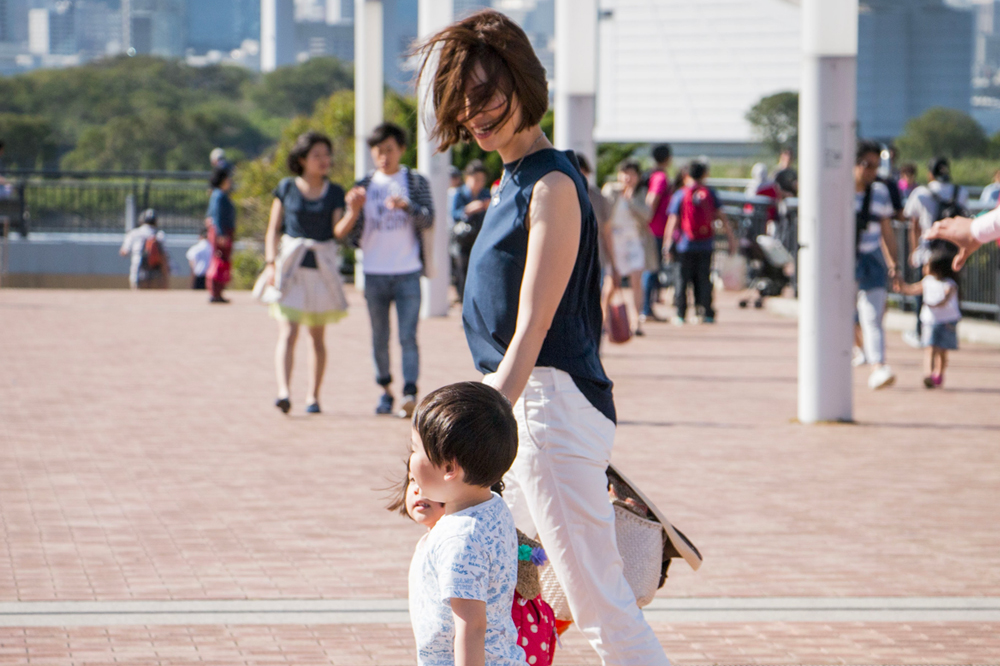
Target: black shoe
284 404
384 404
313 408
218 299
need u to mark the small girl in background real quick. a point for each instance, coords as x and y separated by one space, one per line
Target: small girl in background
939 315
529 610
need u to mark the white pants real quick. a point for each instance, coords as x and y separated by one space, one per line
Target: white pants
871 310
557 490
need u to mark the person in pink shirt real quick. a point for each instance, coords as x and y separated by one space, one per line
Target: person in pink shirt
658 200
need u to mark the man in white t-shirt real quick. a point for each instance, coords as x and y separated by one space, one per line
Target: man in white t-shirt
876 261
387 213
939 199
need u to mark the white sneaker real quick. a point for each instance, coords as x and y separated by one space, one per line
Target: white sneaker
911 338
409 404
858 359
881 377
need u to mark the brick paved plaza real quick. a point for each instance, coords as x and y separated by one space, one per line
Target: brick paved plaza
141 460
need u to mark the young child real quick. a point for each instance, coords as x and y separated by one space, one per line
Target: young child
464 571
529 609
939 315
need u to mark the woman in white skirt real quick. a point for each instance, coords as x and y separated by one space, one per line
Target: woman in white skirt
304 266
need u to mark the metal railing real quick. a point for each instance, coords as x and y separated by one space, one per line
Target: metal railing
87 202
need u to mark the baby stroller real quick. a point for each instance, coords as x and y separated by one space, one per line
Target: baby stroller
768 268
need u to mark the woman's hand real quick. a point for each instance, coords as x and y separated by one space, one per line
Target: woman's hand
269 274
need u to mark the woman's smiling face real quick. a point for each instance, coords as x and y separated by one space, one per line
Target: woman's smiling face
483 126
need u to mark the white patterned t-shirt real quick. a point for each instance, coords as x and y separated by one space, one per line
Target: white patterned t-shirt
471 554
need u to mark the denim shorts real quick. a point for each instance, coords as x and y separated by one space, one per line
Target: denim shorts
942 336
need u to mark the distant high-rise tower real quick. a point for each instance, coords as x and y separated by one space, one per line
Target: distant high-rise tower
277 34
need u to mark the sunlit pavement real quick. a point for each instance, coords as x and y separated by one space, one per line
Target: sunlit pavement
141 460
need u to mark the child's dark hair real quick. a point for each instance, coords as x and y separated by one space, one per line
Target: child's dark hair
939 264
471 424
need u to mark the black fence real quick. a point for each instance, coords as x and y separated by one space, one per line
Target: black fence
91 202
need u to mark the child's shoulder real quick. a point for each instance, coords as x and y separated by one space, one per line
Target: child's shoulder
475 523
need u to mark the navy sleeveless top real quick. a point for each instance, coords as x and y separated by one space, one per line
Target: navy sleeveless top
493 287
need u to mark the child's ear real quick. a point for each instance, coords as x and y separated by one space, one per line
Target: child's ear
452 471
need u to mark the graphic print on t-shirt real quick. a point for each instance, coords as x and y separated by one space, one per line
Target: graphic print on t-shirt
389 241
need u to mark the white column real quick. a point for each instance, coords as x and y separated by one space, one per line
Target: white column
277 34
827 139
576 76
433 16
368 79
368 94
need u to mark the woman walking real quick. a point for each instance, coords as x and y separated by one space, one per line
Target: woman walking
532 317
304 265
221 223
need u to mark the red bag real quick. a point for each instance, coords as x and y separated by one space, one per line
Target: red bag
619 329
152 254
219 271
698 213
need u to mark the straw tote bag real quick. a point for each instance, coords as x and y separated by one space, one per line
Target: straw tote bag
647 543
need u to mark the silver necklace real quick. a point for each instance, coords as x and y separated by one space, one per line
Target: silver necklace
504 181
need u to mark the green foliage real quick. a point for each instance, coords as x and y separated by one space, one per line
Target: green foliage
775 119
246 266
969 171
148 113
30 140
294 91
942 132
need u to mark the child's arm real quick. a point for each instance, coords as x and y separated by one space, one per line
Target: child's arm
470 631
914 289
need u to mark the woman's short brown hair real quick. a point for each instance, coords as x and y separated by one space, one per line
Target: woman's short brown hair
492 40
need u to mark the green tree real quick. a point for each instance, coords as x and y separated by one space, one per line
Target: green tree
775 119
295 90
30 141
941 132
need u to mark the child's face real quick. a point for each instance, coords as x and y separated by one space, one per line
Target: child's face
434 482
422 510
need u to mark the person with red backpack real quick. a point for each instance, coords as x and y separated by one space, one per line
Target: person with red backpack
694 210
147 245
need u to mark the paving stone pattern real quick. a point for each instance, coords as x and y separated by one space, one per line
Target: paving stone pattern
141 458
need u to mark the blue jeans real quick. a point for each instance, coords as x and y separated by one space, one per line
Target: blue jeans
651 280
380 292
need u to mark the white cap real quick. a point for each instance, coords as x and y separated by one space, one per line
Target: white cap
216 155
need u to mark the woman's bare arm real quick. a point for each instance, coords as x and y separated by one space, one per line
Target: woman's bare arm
271 238
554 223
